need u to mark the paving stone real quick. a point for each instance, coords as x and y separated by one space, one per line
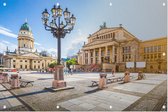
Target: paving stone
135 87
66 104
97 109
75 101
87 106
76 108
147 81
14 102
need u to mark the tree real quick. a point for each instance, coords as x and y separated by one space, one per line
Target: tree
52 64
72 61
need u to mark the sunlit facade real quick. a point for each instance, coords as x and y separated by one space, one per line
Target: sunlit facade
26 57
113 47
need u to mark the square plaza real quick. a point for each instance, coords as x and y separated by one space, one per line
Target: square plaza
84 97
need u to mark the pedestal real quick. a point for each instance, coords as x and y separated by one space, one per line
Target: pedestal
58 83
15 83
5 79
127 77
58 77
102 81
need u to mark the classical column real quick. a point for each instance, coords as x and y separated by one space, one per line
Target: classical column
100 55
106 51
113 53
89 56
94 56
83 57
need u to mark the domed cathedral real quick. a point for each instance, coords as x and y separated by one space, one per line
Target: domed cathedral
26 56
25 39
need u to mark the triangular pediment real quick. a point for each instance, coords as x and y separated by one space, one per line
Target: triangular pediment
96 42
30 55
104 30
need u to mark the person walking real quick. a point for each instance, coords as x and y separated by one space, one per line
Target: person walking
113 73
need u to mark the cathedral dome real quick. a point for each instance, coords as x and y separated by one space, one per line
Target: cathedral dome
26 27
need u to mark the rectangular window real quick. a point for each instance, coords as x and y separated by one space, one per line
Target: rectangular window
102 53
151 48
123 59
159 55
155 56
97 53
21 66
14 66
25 60
20 60
115 58
155 48
159 48
14 60
115 50
151 56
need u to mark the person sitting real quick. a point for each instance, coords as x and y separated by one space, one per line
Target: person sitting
126 77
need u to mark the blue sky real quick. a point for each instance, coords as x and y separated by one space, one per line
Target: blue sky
146 19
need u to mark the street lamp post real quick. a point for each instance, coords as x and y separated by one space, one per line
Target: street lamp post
59 29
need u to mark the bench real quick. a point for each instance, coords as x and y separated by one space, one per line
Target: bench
24 82
95 82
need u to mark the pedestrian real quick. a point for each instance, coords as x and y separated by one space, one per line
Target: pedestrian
71 71
113 73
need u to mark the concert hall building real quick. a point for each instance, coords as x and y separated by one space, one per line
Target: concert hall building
112 47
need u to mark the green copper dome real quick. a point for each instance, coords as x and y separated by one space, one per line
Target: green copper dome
26 27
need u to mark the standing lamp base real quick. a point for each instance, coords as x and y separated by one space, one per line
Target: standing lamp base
58 84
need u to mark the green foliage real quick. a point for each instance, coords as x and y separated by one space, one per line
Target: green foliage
52 64
72 61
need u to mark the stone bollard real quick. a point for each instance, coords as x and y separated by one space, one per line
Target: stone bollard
5 77
102 81
126 77
15 83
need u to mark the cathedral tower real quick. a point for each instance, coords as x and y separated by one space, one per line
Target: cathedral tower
25 39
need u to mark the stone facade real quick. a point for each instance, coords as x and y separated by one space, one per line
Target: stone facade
26 57
154 53
113 47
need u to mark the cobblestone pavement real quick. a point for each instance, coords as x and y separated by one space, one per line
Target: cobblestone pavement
84 97
8 101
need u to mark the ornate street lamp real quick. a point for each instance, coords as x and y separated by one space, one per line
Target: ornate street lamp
59 29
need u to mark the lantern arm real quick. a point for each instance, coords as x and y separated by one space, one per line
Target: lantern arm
55 28
47 28
68 30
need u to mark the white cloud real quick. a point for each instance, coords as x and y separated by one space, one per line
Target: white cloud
4 44
51 51
7 32
77 43
37 43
